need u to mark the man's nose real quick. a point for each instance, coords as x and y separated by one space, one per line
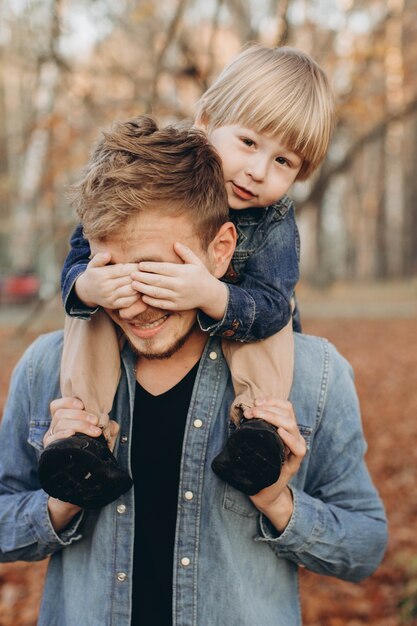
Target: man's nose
133 310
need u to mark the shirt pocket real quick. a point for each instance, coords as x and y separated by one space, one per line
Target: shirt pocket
239 503
37 430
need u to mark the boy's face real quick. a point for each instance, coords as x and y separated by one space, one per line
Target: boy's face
258 169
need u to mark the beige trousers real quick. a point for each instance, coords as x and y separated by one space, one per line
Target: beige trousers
261 368
90 368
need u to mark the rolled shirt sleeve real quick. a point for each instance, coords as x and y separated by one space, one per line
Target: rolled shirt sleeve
26 532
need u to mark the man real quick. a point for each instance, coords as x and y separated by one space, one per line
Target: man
182 547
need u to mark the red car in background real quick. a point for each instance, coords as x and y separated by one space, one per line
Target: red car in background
19 288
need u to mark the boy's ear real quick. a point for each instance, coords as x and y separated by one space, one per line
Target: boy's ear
221 249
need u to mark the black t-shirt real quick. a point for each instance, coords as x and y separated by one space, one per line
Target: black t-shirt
158 432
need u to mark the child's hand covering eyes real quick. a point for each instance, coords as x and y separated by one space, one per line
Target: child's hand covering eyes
181 286
109 286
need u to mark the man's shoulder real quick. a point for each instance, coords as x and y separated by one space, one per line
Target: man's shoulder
52 340
35 379
45 351
323 379
317 358
310 346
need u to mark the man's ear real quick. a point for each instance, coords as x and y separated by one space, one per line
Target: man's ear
221 249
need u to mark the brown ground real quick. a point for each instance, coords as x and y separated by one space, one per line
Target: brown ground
383 353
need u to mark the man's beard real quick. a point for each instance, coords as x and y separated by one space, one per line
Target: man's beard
177 345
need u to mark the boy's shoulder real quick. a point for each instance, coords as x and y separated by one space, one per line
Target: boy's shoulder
276 212
283 206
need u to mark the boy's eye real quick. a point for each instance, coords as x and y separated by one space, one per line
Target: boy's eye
247 141
282 161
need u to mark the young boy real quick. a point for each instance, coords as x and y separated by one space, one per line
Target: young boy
270 117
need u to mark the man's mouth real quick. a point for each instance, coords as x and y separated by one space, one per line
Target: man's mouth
146 330
242 192
151 324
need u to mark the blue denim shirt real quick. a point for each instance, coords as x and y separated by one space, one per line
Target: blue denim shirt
261 279
230 565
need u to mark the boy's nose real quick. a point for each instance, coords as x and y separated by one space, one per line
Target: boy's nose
132 311
256 169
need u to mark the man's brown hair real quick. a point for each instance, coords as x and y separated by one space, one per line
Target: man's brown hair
136 166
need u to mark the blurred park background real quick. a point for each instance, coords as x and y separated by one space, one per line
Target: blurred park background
70 67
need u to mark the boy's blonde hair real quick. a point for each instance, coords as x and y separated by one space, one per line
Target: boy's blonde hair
277 91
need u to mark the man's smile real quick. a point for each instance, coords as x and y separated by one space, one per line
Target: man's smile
147 329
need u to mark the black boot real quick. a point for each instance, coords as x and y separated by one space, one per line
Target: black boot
82 470
252 457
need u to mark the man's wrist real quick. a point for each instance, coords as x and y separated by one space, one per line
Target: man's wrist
279 512
61 513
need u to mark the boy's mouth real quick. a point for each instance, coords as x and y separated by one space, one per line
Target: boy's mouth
242 192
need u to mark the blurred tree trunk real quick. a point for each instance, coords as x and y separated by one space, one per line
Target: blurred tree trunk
241 13
4 166
37 147
159 63
394 140
380 248
410 196
283 29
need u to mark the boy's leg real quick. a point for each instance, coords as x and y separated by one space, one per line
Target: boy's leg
259 369
90 366
254 452
81 469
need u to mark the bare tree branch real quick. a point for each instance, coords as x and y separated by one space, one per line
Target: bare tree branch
318 190
243 23
282 22
210 48
172 31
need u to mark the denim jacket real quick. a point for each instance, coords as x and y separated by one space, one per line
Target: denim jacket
230 565
261 278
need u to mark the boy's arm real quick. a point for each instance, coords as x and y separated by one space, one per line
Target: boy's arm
75 263
259 304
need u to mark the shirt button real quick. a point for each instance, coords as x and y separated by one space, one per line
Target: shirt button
121 509
185 561
198 423
228 333
213 356
121 577
123 439
188 495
